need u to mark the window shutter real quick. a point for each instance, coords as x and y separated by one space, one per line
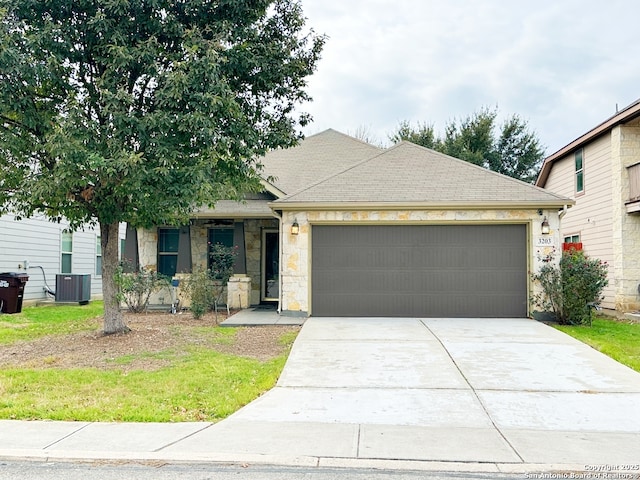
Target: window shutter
184 251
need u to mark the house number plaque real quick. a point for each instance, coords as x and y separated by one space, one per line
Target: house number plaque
545 241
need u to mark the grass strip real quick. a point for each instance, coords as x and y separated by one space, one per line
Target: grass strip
619 340
205 386
54 319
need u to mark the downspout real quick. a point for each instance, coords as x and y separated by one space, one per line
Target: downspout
278 215
563 212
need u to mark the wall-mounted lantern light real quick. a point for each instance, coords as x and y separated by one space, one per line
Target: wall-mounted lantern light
295 228
545 227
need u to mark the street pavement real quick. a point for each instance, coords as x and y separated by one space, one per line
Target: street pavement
466 395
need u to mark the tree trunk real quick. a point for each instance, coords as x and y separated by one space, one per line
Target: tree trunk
113 317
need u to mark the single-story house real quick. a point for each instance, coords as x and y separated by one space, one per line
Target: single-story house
344 228
601 171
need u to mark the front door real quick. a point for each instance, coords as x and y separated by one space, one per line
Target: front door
270 265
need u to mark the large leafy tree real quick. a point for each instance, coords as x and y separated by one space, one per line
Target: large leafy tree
513 149
141 110
424 134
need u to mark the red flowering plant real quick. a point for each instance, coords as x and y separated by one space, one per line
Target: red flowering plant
222 261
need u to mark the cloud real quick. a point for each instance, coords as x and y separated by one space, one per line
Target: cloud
560 65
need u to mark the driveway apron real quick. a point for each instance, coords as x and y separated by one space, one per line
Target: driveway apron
498 391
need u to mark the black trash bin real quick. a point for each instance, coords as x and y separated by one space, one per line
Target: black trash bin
12 291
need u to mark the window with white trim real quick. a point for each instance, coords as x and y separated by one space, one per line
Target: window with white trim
579 164
98 257
66 249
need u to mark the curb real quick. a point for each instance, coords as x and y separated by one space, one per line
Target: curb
155 458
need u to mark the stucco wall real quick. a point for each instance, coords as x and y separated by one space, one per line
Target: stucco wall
296 264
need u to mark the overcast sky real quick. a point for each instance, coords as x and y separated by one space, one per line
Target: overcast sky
562 65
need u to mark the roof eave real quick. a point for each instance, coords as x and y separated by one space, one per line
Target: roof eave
272 189
627 114
349 206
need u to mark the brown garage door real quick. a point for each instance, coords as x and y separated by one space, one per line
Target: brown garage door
419 270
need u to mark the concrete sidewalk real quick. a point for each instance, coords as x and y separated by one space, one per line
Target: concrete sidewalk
489 395
260 315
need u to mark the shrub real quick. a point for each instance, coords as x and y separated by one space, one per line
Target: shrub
198 286
222 261
205 287
136 287
570 289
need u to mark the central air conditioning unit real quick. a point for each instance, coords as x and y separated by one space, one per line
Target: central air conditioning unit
73 287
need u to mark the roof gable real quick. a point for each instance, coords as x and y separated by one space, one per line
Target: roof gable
410 174
625 115
317 156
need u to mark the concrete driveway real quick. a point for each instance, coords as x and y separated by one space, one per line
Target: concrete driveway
484 395
500 393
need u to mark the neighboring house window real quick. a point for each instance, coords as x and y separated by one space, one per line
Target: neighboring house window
572 242
579 161
168 241
98 257
66 252
223 236
634 182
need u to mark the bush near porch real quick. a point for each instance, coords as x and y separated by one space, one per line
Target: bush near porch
572 289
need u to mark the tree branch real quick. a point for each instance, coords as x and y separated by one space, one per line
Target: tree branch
17 124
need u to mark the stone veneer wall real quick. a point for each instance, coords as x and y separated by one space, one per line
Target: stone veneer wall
148 257
199 239
253 241
148 248
296 260
625 152
148 253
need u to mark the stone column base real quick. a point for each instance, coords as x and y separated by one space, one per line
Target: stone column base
239 292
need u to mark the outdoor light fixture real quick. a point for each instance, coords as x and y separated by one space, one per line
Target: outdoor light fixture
545 227
295 228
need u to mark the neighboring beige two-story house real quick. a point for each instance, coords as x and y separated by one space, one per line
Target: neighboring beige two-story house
344 228
601 171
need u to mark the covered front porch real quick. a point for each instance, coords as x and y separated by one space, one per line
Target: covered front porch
261 315
176 251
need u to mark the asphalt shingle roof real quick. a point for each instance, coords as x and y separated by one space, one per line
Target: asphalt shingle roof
232 208
408 173
315 158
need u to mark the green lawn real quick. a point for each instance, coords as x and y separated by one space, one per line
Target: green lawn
197 384
204 386
53 319
618 339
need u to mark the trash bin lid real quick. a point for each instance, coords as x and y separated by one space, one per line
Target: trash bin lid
14 275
